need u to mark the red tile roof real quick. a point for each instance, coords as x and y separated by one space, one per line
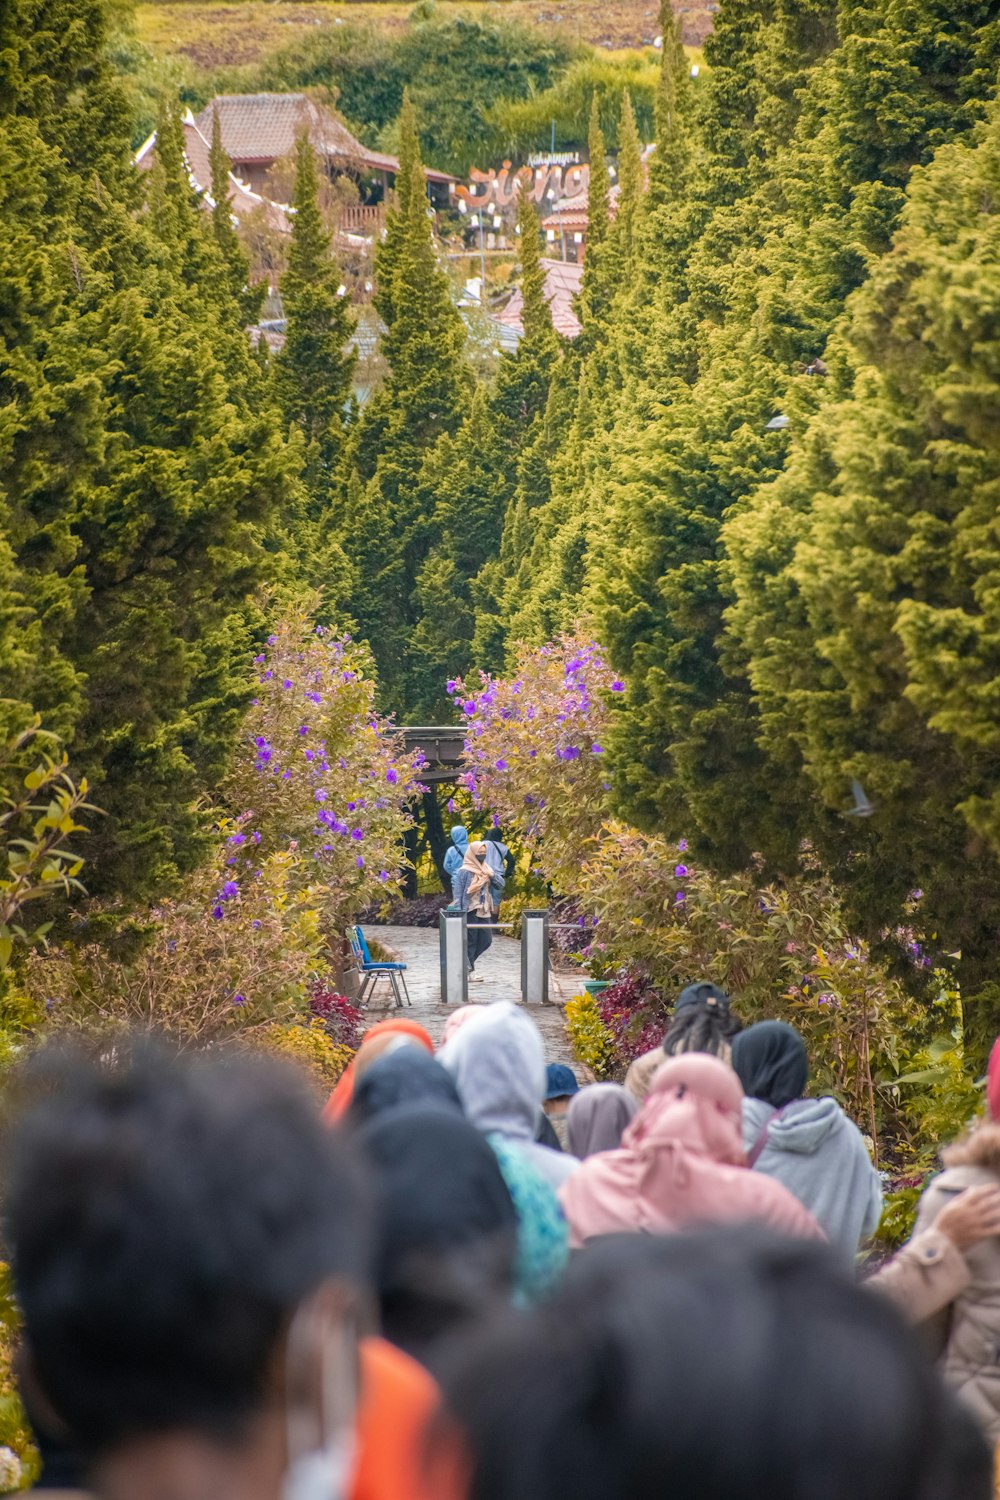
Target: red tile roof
197 154
562 283
259 128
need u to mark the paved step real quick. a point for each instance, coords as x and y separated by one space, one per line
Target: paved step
418 948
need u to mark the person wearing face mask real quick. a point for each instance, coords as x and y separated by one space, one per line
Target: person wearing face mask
191 1254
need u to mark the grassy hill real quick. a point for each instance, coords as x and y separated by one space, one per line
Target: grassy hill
213 34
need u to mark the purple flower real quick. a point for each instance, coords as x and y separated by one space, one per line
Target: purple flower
217 913
680 870
320 794
469 706
303 729
383 874
287 682
239 999
266 676
596 749
501 765
357 835
532 754
309 754
392 776
258 660
260 742
682 845
314 697
255 924
617 686
360 862
569 753
451 804
451 686
237 838
680 898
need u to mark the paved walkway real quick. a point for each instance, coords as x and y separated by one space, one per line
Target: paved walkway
418 948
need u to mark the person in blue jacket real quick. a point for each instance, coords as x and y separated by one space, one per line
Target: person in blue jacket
459 844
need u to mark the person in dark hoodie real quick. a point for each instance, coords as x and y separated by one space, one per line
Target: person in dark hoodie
809 1145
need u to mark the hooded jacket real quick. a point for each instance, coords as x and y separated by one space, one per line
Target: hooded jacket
455 855
970 1335
498 1062
681 1164
819 1155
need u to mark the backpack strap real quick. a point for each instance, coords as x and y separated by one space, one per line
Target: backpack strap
757 1149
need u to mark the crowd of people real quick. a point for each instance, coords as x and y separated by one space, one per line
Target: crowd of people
473 1277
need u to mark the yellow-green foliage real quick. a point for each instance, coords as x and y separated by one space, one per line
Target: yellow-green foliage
19 1472
591 1041
310 1047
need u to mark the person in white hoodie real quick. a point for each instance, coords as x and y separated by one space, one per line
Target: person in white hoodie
498 1063
809 1145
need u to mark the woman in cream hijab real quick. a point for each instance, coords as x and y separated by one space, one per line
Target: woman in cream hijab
476 889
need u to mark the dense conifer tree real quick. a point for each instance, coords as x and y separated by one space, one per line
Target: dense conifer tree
136 477
424 398
313 371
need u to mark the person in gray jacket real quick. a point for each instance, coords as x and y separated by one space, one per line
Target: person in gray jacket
809 1145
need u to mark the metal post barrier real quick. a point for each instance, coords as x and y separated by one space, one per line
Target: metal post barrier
535 957
454 958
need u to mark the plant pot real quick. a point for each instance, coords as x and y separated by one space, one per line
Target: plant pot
596 987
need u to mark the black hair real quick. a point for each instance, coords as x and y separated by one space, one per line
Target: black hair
494 836
166 1217
725 1365
707 1025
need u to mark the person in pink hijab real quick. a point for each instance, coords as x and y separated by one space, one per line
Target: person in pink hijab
681 1163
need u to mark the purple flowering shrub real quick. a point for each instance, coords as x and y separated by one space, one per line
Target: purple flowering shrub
320 773
534 751
196 977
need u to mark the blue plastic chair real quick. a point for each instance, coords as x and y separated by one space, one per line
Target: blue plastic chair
372 970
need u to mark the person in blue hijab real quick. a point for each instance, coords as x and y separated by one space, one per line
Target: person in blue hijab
455 855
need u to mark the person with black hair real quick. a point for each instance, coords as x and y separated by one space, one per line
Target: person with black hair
191 1254
715 1366
702 1022
446 1225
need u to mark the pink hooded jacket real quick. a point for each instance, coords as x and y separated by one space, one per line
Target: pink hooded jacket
681 1163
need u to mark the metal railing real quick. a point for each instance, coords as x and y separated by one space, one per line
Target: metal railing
454 933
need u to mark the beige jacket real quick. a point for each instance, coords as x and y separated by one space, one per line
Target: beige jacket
969 1333
924 1278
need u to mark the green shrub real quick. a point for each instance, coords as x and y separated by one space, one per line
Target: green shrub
592 1043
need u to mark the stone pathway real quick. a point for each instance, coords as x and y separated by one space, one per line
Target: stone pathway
418 948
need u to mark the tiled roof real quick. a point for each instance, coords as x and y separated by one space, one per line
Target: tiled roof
197 154
562 283
259 128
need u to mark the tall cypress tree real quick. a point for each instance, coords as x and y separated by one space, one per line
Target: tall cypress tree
593 300
136 476
313 371
424 398
244 300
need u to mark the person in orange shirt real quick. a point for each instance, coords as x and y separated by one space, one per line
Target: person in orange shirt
374 1043
191 1252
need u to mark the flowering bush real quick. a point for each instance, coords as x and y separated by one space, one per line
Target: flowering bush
320 772
534 752
534 757
194 976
